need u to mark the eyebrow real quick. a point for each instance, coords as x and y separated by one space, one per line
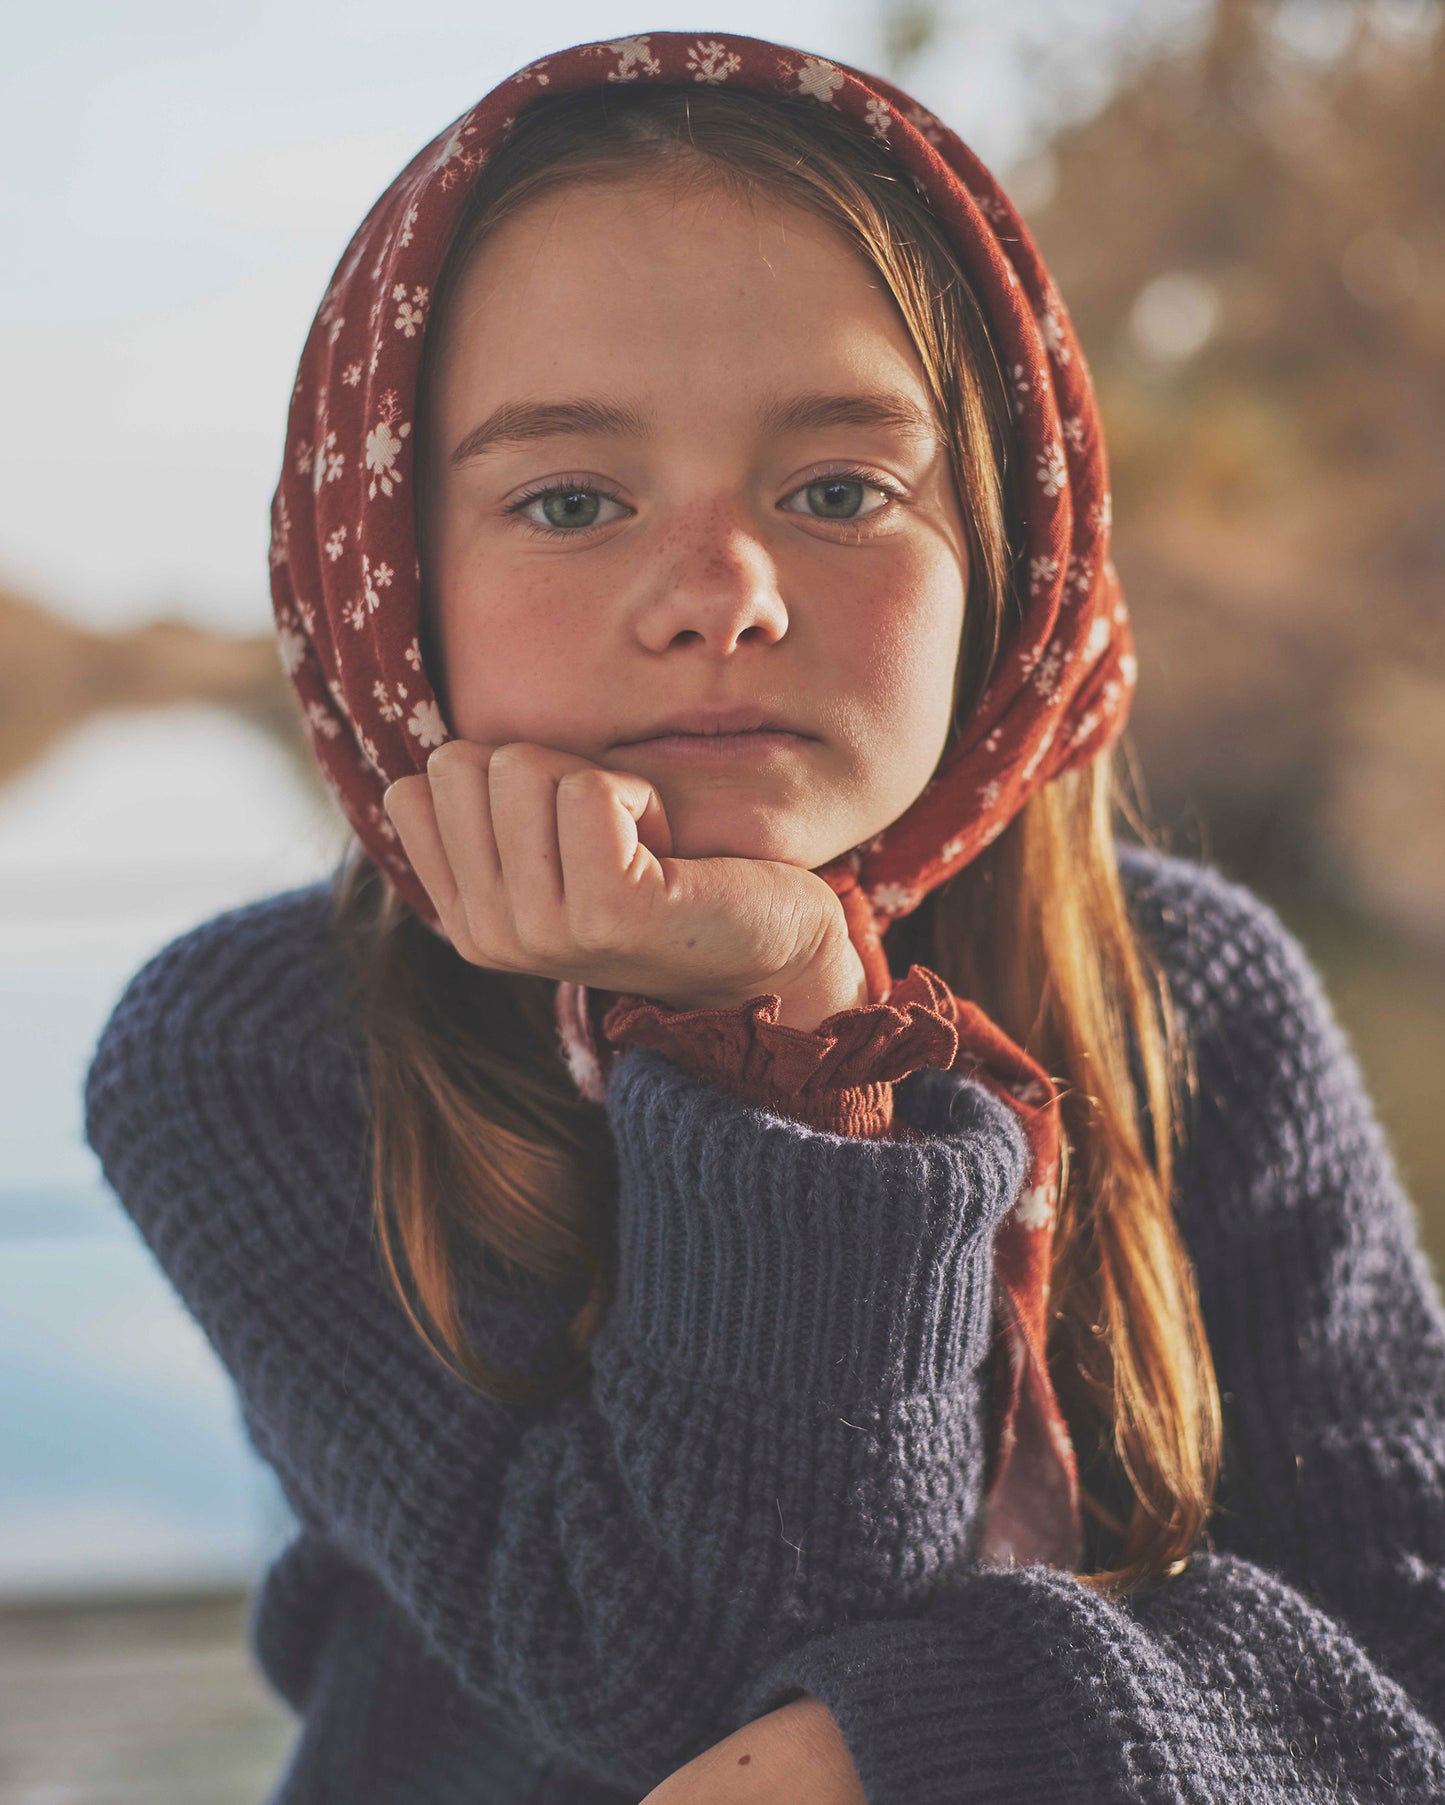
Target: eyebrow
522 422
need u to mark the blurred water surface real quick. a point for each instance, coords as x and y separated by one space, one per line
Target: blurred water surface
125 1465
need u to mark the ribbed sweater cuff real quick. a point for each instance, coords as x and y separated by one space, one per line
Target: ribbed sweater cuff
766 1257
957 1705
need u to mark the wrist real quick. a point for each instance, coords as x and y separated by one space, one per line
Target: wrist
832 980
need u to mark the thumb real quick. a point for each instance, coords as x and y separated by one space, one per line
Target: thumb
654 829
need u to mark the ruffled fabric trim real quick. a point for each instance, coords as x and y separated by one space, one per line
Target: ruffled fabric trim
837 1077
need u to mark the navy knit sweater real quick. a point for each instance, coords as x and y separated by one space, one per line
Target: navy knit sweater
769 1483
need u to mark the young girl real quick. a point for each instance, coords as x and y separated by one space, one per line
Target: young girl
773 1259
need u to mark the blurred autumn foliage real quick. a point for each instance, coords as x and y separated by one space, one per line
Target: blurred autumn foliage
1250 239
1252 246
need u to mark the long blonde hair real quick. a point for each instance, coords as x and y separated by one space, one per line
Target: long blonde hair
487 1166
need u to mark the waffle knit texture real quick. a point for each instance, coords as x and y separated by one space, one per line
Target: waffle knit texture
769 1482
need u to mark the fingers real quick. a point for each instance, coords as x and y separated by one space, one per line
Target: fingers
481 827
459 788
604 861
523 783
653 828
408 804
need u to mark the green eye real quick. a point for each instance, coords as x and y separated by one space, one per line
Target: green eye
570 507
836 497
569 510
840 495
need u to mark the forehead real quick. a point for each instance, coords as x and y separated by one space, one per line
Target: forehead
643 275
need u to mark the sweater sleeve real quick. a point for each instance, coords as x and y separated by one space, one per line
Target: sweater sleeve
781 1428
1300 1655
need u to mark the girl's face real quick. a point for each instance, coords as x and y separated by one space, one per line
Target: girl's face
684 459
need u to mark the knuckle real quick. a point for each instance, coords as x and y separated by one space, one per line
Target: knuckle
449 753
484 960
510 756
539 940
594 930
464 943
583 779
475 938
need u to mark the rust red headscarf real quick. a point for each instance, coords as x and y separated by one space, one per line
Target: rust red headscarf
345 586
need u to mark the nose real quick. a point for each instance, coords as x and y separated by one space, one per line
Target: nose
711 580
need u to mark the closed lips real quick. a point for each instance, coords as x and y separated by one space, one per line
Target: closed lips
704 722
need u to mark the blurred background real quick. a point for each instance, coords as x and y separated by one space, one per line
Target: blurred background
1244 206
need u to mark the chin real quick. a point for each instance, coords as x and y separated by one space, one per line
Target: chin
709 828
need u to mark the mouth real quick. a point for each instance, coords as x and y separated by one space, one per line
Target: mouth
719 748
713 723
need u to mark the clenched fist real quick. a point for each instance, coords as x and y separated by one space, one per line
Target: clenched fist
540 861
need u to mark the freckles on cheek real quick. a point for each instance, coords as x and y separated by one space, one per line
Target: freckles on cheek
518 651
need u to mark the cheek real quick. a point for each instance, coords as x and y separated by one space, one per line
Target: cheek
513 642
906 623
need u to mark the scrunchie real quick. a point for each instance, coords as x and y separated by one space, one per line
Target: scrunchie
837 1076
